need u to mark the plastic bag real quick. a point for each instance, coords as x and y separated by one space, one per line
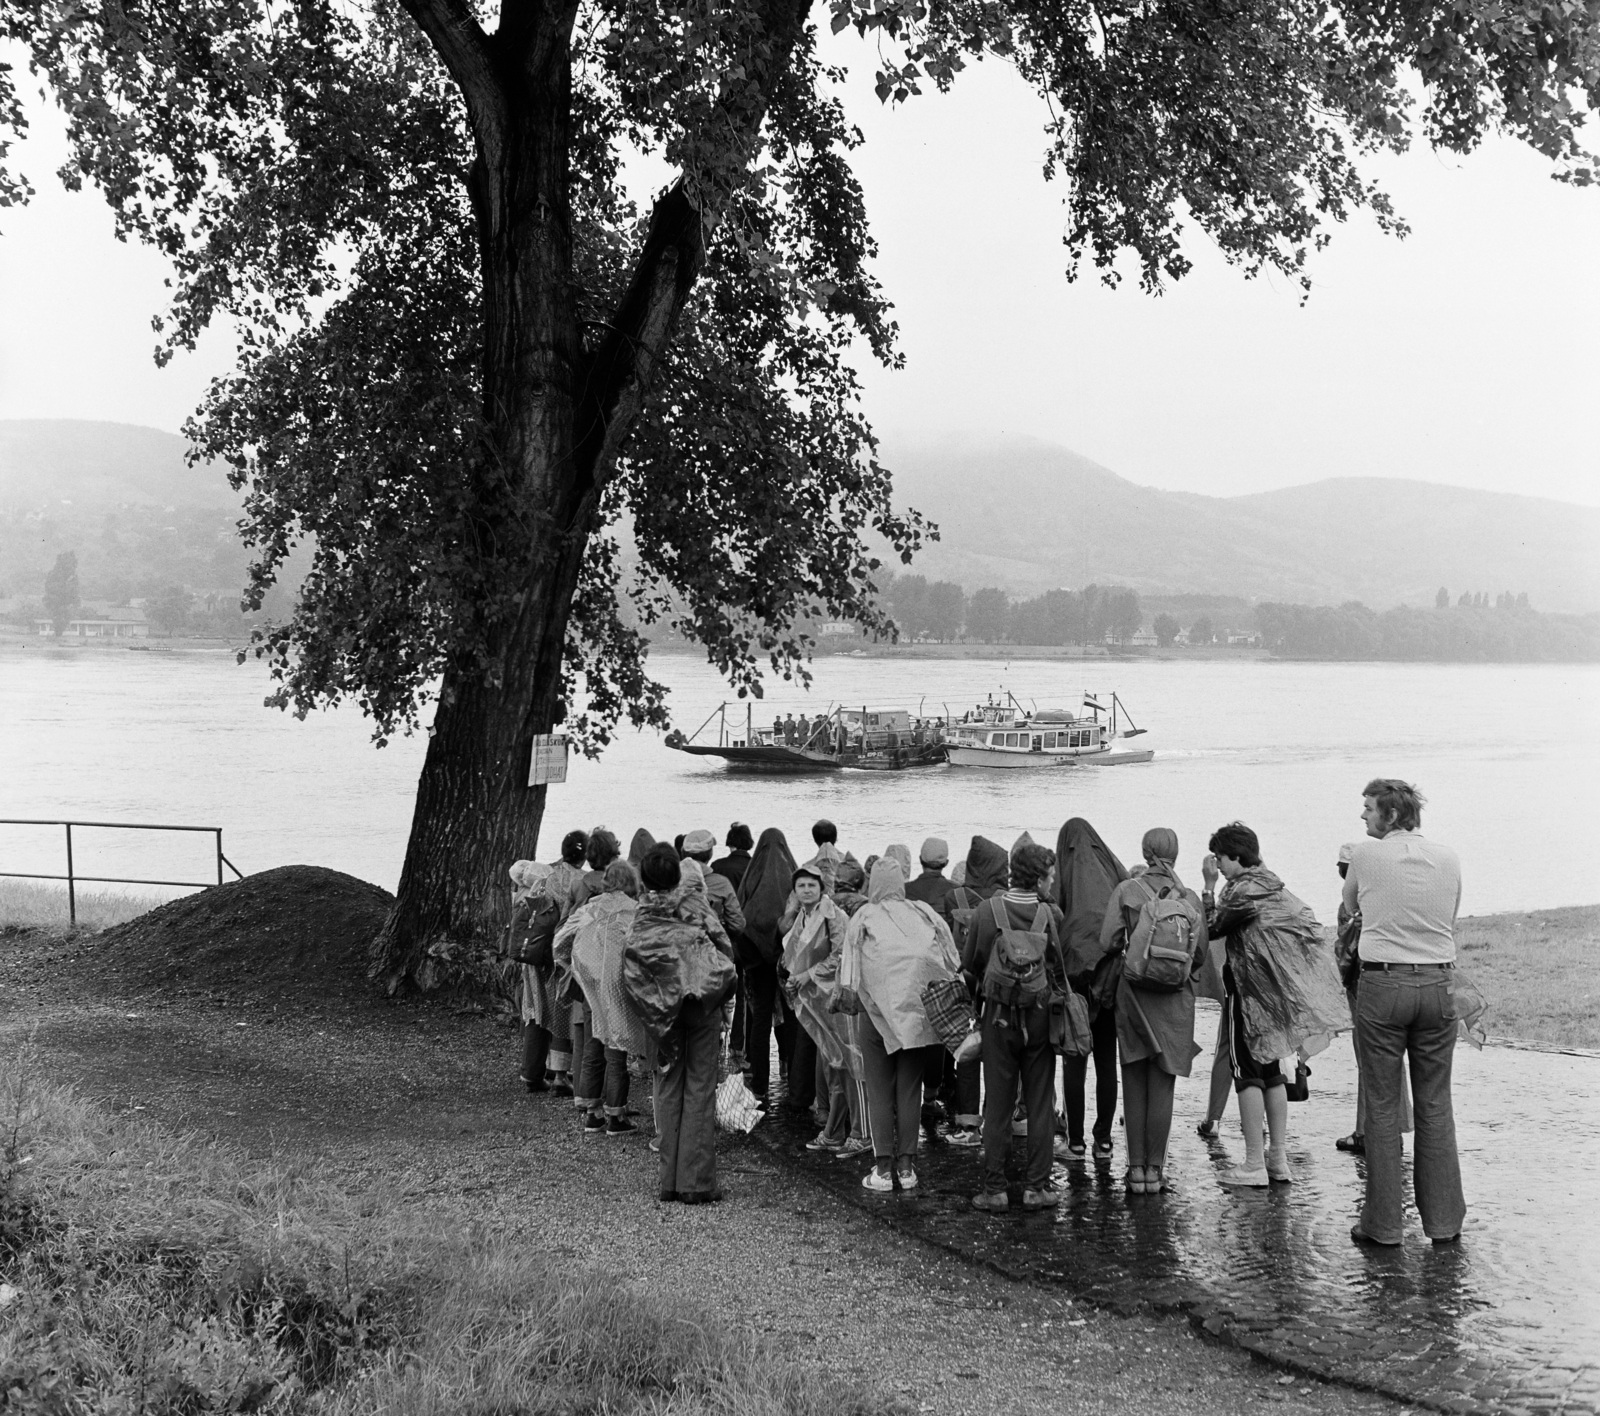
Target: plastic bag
737 1110
1468 1007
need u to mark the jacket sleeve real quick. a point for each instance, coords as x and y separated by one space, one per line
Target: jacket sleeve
732 915
1114 928
1227 915
707 917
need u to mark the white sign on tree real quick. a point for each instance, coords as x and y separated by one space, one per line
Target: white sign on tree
549 760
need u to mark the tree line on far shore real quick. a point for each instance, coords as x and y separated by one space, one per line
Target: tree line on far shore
1471 626
942 610
1506 630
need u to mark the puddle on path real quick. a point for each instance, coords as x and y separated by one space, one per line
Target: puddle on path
1508 1320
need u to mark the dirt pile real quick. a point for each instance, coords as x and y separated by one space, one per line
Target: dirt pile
296 928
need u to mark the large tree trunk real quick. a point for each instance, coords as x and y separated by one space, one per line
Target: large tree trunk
475 812
556 417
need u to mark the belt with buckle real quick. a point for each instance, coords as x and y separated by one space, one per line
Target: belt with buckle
1367 964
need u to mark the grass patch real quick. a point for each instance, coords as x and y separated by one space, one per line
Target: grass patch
152 1273
34 904
1540 972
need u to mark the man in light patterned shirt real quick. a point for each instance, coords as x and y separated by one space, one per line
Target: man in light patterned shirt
1407 890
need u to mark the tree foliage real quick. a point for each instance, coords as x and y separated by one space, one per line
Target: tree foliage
1510 633
988 611
1165 628
61 591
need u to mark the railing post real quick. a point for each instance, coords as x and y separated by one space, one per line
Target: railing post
219 855
72 890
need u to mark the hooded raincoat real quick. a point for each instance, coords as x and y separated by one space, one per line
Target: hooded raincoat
893 949
763 894
987 869
811 952
604 925
676 949
1282 967
639 847
529 878
1086 874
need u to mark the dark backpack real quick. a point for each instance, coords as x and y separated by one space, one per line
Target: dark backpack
963 905
1161 947
1015 976
530 937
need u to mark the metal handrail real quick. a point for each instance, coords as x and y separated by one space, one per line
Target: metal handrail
72 877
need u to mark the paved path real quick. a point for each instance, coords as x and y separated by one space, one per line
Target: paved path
1508 1320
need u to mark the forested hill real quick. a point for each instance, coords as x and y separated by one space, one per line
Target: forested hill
53 463
1014 513
1028 516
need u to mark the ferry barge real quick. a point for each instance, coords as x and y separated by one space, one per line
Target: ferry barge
863 739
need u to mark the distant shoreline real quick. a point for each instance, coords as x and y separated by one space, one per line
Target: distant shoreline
677 648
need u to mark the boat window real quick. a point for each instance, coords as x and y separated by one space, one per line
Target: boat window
1049 739
1011 739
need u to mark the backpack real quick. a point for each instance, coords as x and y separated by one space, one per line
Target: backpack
530 937
964 904
1161 947
1015 976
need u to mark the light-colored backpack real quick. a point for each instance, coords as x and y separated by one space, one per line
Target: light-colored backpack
1161 947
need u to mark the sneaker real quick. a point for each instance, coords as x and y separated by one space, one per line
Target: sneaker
593 1124
561 1086
822 1143
997 1203
1047 1197
1102 1152
1207 1130
619 1126
967 1136
854 1146
878 1179
1063 1149
906 1174
1253 1179
1278 1168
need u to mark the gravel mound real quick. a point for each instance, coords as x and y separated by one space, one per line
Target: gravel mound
299 927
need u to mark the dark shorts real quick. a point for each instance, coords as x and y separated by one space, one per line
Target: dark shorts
1247 1071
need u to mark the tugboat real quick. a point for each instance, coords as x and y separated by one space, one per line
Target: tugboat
1007 735
874 740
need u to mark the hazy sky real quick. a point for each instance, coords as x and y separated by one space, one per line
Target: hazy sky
1465 354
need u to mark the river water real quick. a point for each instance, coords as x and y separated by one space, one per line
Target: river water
1508 756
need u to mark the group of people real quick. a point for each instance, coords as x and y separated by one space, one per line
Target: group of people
964 1006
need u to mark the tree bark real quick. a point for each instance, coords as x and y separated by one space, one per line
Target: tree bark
556 419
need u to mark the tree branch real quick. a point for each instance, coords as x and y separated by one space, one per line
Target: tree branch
465 50
620 371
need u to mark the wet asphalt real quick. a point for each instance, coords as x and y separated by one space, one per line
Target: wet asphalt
1506 1320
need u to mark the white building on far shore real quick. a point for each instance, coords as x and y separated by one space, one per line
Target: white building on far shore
97 620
